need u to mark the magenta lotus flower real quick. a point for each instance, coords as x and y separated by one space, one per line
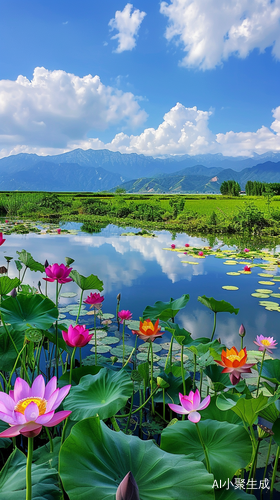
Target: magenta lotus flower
2 240
124 315
95 300
191 405
77 336
247 269
26 409
246 250
59 273
58 230
173 246
265 343
200 253
187 245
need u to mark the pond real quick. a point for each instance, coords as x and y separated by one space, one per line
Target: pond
143 271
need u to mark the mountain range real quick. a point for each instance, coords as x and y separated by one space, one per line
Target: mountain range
100 170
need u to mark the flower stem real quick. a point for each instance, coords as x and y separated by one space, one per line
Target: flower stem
204 449
71 364
152 377
50 439
253 465
163 402
140 407
169 354
266 463
194 371
274 472
182 369
56 333
14 368
259 377
80 305
214 326
131 406
115 423
95 339
28 469
123 342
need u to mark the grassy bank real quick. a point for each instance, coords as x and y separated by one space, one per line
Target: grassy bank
189 213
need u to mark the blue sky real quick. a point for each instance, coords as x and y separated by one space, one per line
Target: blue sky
148 77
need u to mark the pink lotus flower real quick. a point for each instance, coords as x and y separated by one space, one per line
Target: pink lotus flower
247 269
124 315
59 273
26 409
58 230
95 300
77 336
2 240
246 250
6 221
200 253
191 405
187 245
265 343
173 246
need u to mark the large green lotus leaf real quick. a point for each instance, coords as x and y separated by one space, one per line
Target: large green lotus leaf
219 379
25 311
271 370
42 455
221 440
8 354
248 409
94 460
7 284
4 442
165 310
87 282
103 394
13 482
182 336
212 412
77 374
27 259
217 305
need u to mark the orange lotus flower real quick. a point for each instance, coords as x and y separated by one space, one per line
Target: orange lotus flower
148 331
234 363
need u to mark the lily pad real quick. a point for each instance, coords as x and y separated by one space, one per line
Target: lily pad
109 340
266 283
108 316
263 290
261 295
68 295
142 356
232 273
101 349
275 295
133 324
228 287
118 351
145 347
265 275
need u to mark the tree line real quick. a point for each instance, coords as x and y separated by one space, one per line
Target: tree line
252 188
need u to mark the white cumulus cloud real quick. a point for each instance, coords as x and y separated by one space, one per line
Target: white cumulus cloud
212 30
56 107
127 23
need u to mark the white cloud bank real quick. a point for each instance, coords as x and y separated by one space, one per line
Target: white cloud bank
127 23
212 30
55 111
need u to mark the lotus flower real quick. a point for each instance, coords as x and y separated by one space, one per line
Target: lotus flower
58 230
124 315
200 253
187 245
246 250
59 273
265 343
128 488
77 336
95 300
148 331
234 363
191 405
247 269
173 246
2 240
6 221
242 331
26 409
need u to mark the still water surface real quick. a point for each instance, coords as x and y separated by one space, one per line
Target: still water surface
143 273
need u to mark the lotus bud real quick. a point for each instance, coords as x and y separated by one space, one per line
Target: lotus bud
162 383
219 340
118 297
13 293
242 331
128 489
46 264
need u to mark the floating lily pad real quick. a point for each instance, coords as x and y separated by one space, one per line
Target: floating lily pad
92 312
68 295
63 309
268 303
230 262
142 356
272 308
232 273
108 316
265 275
228 287
275 295
118 351
263 290
101 349
133 325
166 346
189 262
62 316
145 347
109 340
266 283
261 295
99 334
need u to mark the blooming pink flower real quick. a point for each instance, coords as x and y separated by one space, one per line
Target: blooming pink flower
191 405
59 273
200 253
246 250
26 409
95 300
77 336
6 221
173 246
247 269
124 315
187 245
265 343
58 230
2 240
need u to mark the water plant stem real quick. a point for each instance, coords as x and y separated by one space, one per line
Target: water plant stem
260 374
214 326
163 402
80 305
56 333
115 424
194 371
201 381
14 367
95 339
152 376
169 355
253 465
50 439
204 449
266 463
140 407
123 342
131 406
28 469
71 364
274 472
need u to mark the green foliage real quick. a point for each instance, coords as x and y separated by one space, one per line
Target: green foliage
230 188
249 218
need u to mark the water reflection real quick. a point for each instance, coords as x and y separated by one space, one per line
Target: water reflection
143 273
